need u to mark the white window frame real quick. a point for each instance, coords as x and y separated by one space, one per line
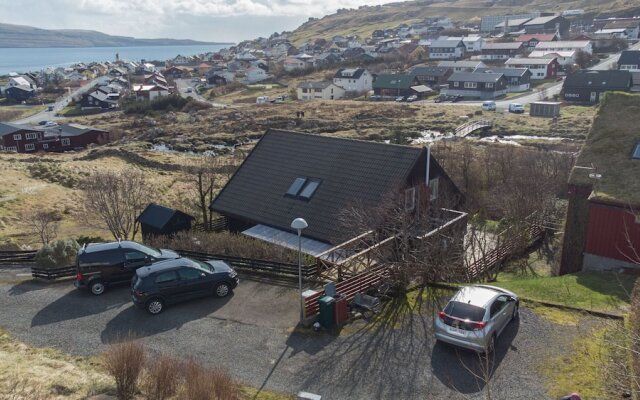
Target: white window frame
12 148
471 85
29 136
489 85
410 199
17 137
433 189
456 84
45 146
65 142
29 147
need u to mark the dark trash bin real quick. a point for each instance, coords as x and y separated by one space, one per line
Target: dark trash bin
326 317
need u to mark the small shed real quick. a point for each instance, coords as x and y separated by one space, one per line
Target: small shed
544 109
159 220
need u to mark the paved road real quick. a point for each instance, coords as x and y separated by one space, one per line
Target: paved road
551 90
250 334
61 103
183 83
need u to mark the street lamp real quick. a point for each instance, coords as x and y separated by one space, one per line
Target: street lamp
299 224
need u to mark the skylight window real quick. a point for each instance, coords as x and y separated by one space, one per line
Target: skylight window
295 187
636 152
303 188
309 189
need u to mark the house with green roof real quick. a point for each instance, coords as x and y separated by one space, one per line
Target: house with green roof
602 229
395 85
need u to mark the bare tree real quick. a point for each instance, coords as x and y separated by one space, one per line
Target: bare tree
202 173
115 200
43 224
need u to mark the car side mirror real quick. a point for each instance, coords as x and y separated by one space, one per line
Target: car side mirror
147 261
511 299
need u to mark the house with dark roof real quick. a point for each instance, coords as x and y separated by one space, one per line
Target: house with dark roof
511 25
157 220
353 79
431 76
587 86
518 79
324 90
395 85
19 93
447 49
629 60
19 138
602 230
476 85
71 137
500 50
462 66
551 24
290 174
100 99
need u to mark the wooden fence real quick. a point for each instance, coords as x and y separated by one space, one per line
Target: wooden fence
7 257
215 225
249 265
348 288
506 248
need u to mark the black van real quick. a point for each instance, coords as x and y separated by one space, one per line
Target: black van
103 264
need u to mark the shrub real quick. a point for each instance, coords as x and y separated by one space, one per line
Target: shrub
124 362
82 240
161 379
194 106
635 340
207 384
60 253
225 243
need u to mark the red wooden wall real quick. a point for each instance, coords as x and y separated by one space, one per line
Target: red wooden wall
607 232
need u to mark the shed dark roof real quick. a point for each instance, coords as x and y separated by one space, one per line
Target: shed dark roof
629 57
349 73
350 172
508 72
393 81
158 216
475 77
7 128
607 79
432 71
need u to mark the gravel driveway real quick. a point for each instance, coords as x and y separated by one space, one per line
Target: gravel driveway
251 334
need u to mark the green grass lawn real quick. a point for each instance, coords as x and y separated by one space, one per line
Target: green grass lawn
598 291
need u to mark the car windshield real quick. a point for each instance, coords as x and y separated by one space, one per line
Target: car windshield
203 266
464 311
152 251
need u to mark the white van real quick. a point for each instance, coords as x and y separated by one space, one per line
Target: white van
516 108
262 99
489 105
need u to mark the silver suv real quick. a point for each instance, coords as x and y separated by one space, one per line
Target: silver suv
476 316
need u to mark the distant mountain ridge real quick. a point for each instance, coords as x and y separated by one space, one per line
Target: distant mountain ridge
12 36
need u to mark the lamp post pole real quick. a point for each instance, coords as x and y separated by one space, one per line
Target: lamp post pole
300 274
299 224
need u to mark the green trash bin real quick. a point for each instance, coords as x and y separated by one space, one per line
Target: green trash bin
327 315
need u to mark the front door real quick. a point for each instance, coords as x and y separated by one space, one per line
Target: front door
594 97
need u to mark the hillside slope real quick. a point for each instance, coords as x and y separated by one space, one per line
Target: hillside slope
366 19
26 36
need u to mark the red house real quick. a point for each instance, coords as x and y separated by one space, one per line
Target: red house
602 231
19 138
26 139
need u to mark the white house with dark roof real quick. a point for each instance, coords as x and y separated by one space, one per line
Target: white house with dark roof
446 49
541 68
325 90
566 45
353 79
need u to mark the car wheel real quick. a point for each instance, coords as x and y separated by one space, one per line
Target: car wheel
222 289
96 287
516 313
155 306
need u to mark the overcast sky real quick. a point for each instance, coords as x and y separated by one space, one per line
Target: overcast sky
211 20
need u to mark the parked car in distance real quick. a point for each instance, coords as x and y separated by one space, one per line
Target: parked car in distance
101 265
172 281
375 97
262 99
489 105
441 98
400 99
189 89
412 98
50 108
516 108
50 124
43 122
455 98
475 317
